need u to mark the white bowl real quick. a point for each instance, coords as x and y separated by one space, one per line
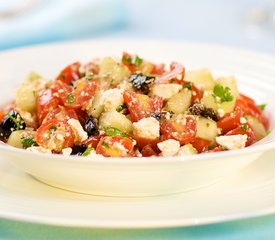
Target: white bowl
139 176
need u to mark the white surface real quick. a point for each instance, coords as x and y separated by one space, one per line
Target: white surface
139 177
251 192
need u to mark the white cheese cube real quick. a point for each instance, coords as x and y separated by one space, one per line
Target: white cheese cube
232 142
165 90
147 128
169 147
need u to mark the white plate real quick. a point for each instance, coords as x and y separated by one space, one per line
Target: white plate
150 176
249 193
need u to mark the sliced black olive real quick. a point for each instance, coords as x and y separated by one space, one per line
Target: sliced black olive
90 126
200 110
11 122
141 82
78 149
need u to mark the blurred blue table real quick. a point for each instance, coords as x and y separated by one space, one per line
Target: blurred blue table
246 24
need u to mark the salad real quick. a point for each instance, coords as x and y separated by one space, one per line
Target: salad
131 107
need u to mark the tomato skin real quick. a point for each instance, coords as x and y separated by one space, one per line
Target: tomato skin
44 133
61 113
216 149
112 146
61 90
201 144
45 103
69 73
249 107
83 92
142 142
196 94
148 151
140 105
250 134
230 121
158 69
182 130
93 141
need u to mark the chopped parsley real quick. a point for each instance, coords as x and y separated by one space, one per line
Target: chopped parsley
87 151
17 120
70 98
245 127
223 93
262 106
52 128
111 131
187 85
28 142
134 60
121 108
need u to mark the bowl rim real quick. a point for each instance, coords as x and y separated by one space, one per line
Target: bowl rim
256 148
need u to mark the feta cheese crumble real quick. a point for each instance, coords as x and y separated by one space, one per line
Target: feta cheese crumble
147 128
78 130
166 91
232 142
169 147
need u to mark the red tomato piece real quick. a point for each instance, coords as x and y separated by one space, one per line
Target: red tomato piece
201 144
249 107
249 132
158 69
46 102
93 141
115 146
182 129
82 93
216 149
69 73
61 113
230 120
148 151
61 90
196 94
55 135
140 105
142 142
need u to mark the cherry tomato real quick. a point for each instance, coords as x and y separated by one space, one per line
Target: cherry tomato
115 146
55 135
140 105
61 113
201 144
230 120
249 132
249 107
82 93
182 129
61 90
69 73
46 102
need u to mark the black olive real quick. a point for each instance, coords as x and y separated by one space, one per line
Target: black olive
90 126
11 122
141 82
156 115
201 110
78 149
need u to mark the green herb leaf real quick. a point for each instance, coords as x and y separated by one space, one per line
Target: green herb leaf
121 108
19 122
224 93
187 85
134 60
28 142
52 128
262 106
87 151
245 127
70 98
111 131
106 145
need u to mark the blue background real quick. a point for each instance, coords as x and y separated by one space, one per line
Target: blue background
245 23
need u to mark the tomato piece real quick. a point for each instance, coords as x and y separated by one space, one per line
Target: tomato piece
196 94
251 138
45 103
61 113
230 120
158 69
69 73
182 129
201 144
55 135
82 93
216 149
148 151
115 146
2 115
93 141
140 105
142 142
249 107
61 90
